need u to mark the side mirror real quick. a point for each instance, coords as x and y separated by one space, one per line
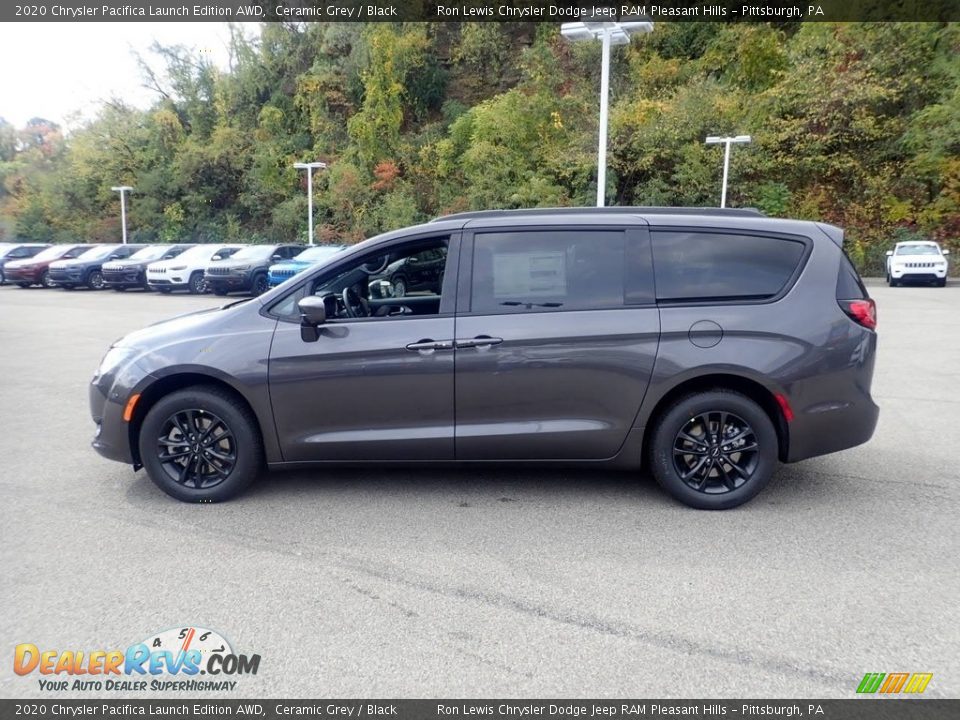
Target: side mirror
313 313
276 257
889 253
114 256
945 252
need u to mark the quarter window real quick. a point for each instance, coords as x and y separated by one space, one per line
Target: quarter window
540 271
691 266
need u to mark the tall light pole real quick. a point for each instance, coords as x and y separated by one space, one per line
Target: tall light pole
728 141
609 33
309 167
123 190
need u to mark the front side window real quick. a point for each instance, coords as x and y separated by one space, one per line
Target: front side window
544 270
401 280
697 266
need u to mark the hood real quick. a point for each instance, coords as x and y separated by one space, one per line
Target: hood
117 264
231 263
192 324
22 262
918 258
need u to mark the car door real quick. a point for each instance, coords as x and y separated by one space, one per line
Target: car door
378 387
557 333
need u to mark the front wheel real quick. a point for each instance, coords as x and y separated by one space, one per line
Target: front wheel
260 285
23 285
46 282
201 444
941 282
198 285
95 280
713 450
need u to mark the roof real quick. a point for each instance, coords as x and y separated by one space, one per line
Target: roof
617 210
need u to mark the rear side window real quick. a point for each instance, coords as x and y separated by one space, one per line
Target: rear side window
849 284
695 266
547 270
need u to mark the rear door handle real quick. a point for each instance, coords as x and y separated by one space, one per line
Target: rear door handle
428 344
478 341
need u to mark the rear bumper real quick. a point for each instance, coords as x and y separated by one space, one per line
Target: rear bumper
829 427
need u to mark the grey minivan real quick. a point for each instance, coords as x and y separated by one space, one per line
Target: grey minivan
705 344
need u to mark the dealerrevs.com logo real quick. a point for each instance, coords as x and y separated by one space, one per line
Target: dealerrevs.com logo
172 660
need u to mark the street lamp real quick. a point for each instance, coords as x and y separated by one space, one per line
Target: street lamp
728 141
609 33
123 190
309 167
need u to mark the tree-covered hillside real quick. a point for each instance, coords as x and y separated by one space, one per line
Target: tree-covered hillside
856 124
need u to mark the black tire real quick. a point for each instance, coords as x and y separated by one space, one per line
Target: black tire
3 277
941 282
45 281
894 282
212 409
725 412
399 286
220 293
259 285
197 284
95 280
24 284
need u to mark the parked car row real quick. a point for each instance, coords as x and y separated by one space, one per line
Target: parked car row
220 268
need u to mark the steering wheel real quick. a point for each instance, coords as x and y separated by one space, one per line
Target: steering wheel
353 303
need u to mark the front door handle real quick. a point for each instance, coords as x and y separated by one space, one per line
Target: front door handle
478 341
428 344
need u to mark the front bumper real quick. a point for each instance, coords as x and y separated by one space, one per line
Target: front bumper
166 282
229 283
918 273
18 275
123 278
65 277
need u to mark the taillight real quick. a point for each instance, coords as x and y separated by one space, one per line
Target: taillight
863 312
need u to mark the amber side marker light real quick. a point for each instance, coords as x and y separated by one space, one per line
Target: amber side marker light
131 404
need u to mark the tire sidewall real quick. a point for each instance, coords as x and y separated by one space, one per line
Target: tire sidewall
669 424
196 284
238 419
94 274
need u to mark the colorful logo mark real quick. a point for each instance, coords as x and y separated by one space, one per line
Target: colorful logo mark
892 683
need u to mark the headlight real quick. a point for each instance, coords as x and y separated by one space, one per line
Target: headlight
240 268
179 267
112 360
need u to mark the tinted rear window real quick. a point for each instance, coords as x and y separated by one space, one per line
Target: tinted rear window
849 284
692 266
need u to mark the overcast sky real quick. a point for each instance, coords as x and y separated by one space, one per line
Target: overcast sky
52 70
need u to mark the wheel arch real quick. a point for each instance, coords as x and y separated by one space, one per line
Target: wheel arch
756 391
163 386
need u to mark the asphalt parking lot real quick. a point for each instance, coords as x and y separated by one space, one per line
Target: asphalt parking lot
480 582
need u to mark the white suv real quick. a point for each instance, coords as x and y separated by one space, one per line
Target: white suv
917 260
185 272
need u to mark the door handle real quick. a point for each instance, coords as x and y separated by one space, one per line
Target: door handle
428 344
478 341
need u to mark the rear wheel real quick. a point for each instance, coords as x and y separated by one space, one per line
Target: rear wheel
201 444
713 450
95 280
198 285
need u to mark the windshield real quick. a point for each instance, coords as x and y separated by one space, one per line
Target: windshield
97 253
200 252
918 250
320 252
149 253
254 252
51 253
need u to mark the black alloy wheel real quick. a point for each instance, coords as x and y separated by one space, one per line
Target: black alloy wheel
714 449
715 452
201 444
260 284
196 449
45 280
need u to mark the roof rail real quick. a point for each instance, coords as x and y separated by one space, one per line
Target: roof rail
616 210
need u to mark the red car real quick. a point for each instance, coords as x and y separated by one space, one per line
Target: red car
33 271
